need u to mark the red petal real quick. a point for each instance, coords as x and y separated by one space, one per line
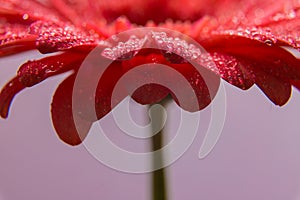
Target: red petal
204 83
150 94
15 38
233 70
204 89
62 115
272 66
106 95
278 91
33 72
94 89
274 60
54 37
7 94
274 36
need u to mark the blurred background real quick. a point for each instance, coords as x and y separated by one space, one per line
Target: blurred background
257 156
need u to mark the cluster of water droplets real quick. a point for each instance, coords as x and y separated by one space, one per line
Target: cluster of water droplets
33 72
173 48
263 35
176 46
290 14
234 71
60 36
10 33
125 50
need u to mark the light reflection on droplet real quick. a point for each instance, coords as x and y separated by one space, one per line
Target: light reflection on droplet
25 16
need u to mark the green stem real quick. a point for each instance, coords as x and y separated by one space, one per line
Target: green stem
159 183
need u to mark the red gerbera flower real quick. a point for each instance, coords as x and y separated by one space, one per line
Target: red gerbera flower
244 39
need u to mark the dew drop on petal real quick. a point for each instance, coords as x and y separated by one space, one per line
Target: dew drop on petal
25 16
268 42
124 50
175 50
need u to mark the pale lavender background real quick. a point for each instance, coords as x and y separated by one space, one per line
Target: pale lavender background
257 156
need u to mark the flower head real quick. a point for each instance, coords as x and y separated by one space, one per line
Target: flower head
243 38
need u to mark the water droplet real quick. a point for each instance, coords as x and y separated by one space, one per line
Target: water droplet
292 14
178 50
25 16
268 42
124 50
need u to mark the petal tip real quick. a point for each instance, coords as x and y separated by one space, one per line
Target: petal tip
4 113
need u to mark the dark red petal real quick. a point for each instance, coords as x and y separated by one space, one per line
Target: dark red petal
62 115
262 34
54 37
279 59
272 66
107 94
95 86
204 83
7 94
233 70
15 38
277 90
16 49
276 86
150 94
33 72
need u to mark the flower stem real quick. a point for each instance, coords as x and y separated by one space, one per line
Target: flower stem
159 183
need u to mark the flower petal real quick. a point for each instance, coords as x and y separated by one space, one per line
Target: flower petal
150 94
54 37
7 94
33 72
106 96
277 90
15 38
276 60
204 83
276 36
62 115
233 70
272 66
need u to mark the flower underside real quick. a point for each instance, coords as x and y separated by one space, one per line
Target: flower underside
244 39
